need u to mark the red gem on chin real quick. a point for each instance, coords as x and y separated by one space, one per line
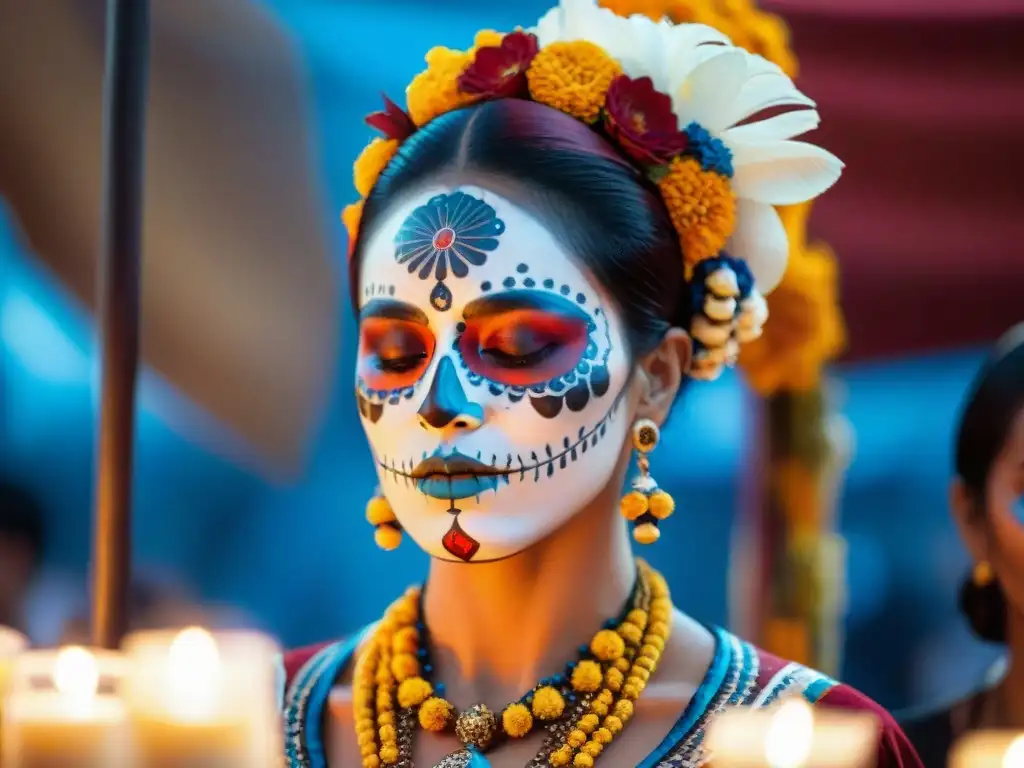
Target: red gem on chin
444 239
459 543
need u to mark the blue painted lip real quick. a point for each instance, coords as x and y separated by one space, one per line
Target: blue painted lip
454 476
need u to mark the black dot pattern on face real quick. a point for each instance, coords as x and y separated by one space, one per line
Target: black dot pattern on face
372 401
378 289
581 299
565 290
549 283
529 282
522 269
485 285
509 282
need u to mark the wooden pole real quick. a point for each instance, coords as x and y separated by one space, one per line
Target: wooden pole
124 89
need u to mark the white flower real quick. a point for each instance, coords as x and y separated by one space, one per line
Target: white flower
769 167
719 86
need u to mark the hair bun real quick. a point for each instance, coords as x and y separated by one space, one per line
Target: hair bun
985 609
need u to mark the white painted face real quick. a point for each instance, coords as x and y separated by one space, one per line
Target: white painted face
491 374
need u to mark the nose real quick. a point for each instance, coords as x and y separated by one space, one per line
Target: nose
446 406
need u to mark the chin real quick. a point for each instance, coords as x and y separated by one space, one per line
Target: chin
478 536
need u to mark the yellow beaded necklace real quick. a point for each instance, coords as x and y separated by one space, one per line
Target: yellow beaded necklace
602 687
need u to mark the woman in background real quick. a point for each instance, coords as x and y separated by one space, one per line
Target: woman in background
987 498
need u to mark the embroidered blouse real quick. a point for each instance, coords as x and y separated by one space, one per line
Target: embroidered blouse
739 675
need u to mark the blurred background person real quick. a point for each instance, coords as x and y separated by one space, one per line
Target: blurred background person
987 499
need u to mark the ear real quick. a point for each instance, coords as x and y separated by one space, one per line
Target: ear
970 521
661 373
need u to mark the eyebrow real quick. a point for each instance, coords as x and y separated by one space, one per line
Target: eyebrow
389 309
510 301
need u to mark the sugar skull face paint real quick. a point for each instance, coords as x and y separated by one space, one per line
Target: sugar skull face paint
491 374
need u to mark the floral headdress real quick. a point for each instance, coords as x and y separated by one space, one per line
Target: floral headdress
681 102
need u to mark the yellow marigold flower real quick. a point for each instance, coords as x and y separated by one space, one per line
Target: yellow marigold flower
805 329
586 678
388 733
371 761
631 633
368 166
702 207
608 645
573 77
561 756
613 724
414 691
613 679
632 505
350 217
404 666
583 760
623 709
548 703
603 736
405 640
435 91
576 738
486 38
516 720
435 714
405 610
593 748
389 754
588 723
768 35
378 511
637 617
662 505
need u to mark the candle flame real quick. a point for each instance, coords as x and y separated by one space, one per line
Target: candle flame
790 734
76 673
1014 755
193 674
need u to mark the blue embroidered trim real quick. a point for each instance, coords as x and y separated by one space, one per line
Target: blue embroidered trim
709 687
818 688
304 704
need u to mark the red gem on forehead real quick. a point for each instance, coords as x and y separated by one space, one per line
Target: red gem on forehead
460 543
444 238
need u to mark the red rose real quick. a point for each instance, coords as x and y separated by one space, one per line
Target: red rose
499 71
393 121
641 121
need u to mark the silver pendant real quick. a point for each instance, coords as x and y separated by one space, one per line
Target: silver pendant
464 758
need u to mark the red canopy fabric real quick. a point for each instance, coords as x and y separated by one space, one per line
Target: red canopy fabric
924 101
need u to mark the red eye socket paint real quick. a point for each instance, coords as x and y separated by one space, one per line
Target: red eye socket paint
524 347
393 353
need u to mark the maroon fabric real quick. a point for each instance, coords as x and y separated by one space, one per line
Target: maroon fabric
924 101
295 660
894 748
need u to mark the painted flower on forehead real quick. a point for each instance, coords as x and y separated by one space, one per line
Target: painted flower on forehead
641 122
499 71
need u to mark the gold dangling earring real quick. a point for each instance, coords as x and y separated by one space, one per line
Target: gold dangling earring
983 574
646 505
387 532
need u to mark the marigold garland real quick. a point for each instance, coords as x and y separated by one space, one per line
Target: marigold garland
624 655
368 166
573 77
436 90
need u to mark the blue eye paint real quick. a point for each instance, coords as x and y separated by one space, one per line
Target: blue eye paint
1018 510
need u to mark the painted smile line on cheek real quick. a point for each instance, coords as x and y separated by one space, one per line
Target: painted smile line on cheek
489 476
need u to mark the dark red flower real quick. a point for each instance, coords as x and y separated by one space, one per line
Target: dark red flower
641 121
393 121
499 71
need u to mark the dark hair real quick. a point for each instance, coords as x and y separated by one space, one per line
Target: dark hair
603 209
21 518
995 399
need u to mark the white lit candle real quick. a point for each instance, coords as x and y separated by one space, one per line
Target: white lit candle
56 715
988 749
202 700
12 644
793 735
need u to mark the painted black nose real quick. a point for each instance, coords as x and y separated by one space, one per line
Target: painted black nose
446 405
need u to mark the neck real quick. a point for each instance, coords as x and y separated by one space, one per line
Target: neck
1010 690
497 628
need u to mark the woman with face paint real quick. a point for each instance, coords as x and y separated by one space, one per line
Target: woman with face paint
564 225
987 498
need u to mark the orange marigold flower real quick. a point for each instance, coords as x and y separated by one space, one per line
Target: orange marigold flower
371 162
702 207
805 328
436 90
573 77
350 217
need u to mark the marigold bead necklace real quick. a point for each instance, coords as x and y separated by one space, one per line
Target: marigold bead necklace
584 709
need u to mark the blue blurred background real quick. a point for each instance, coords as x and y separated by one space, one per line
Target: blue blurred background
297 558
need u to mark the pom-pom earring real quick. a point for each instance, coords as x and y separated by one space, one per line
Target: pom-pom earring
646 505
387 532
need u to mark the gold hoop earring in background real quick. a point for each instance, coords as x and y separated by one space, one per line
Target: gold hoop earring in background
646 505
387 532
983 574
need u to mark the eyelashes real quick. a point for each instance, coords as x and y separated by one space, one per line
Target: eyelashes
502 359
